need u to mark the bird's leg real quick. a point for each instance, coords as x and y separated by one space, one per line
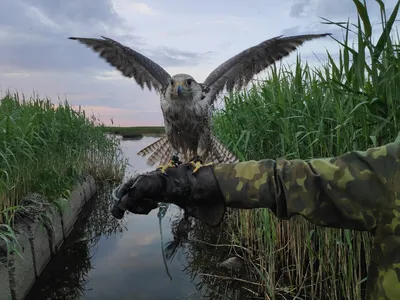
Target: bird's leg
175 158
204 143
197 163
173 163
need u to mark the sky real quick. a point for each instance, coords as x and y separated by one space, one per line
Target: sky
192 37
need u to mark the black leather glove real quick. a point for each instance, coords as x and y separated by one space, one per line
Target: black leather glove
198 194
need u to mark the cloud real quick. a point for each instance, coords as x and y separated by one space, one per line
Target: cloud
81 89
38 56
335 11
40 18
127 9
171 57
143 8
299 8
74 11
338 9
35 38
40 42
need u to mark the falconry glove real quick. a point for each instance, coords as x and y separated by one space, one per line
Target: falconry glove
198 194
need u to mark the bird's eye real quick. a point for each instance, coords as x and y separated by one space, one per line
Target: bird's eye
172 82
189 81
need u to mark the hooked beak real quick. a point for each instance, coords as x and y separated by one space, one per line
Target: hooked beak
179 90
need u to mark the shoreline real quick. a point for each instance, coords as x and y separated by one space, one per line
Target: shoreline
135 132
144 130
38 243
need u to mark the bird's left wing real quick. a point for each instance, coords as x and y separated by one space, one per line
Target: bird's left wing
240 69
130 62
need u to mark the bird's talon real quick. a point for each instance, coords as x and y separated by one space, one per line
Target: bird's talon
197 165
163 168
196 159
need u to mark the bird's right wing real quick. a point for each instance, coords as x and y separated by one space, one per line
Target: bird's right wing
130 62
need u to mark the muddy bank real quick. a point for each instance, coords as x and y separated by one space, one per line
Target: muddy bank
39 243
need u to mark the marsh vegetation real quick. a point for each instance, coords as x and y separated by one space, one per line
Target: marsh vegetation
349 102
45 149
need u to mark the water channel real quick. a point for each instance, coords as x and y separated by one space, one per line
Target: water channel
107 259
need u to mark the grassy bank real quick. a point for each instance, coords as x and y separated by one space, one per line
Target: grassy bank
304 112
135 131
45 149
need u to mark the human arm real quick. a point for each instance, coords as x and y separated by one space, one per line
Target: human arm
357 190
349 191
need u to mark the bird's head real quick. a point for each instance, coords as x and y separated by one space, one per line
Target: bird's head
183 87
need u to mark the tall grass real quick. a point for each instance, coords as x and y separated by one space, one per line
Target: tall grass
45 149
304 112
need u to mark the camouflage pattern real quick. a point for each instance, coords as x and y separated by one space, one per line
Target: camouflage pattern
357 190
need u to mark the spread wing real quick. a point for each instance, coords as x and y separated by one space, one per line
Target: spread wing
240 69
129 62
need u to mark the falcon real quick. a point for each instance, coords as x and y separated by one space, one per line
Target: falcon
186 104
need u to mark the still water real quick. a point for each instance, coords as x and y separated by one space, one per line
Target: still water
108 259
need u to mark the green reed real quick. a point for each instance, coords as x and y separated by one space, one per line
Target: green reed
45 149
307 112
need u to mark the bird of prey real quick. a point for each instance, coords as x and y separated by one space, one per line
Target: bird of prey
186 104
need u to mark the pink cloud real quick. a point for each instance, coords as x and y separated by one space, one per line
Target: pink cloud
123 117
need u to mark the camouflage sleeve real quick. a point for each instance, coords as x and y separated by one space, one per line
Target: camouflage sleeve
357 190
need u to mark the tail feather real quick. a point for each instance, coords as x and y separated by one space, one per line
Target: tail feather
157 155
153 146
167 154
220 154
161 151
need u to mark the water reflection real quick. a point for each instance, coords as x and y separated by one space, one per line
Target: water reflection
104 258
66 276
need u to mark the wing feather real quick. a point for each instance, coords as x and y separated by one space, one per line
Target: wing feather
240 69
129 62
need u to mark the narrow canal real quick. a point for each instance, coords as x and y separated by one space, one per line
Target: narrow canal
107 259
